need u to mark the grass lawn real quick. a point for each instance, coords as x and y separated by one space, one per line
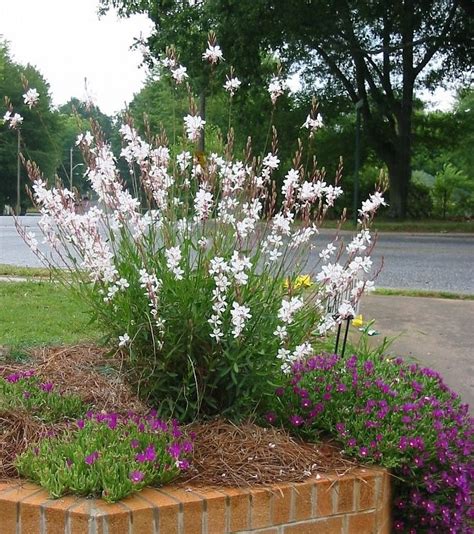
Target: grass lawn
27 272
36 313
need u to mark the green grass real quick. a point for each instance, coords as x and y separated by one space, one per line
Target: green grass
41 313
422 293
418 226
27 272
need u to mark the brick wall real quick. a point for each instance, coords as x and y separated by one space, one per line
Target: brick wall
358 503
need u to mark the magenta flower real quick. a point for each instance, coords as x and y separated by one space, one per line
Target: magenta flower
47 387
136 476
91 458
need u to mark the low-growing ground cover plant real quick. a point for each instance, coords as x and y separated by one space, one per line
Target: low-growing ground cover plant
108 455
23 390
394 414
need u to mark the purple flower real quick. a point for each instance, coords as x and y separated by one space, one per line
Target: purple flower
183 464
26 394
80 423
136 476
47 387
91 458
271 417
175 450
134 443
279 392
148 455
296 420
69 462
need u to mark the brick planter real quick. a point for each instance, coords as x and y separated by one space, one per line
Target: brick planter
358 503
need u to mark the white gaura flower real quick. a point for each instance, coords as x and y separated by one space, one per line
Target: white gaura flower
179 74
271 161
85 138
194 124
313 124
173 257
345 310
232 85
213 54
280 332
124 340
240 314
289 308
31 97
276 88
14 119
203 202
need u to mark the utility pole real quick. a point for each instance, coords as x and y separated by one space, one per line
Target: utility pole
70 168
18 203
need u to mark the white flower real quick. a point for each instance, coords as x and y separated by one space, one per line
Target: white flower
173 257
280 332
313 124
231 85
345 310
289 308
239 314
202 204
327 252
194 125
183 160
15 120
213 54
179 74
124 340
85 138
271 161
31 97
276 88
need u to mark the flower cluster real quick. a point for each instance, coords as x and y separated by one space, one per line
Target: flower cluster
397 415
15 120
25 390
109 455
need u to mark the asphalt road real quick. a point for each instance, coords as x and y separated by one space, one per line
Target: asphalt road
443 262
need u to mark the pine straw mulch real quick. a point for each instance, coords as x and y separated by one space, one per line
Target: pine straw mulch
225 454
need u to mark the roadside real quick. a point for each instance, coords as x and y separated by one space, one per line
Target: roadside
436 333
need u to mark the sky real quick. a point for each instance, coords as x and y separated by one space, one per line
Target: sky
67 42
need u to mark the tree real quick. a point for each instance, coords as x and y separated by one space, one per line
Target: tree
376 52
39 131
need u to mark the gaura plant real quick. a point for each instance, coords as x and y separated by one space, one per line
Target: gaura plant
192 271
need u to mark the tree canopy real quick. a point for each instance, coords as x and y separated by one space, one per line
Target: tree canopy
376 53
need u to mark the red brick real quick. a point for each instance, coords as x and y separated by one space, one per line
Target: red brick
344 490
260 508
112 517
324 504
214 503
330 525
192 508
141 514
303 501
167 508
239 508
362 522
55 514
281 504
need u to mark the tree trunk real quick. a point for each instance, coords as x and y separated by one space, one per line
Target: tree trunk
399 172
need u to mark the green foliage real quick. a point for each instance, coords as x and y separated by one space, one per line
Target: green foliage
38 134
108 456
453 192
25 391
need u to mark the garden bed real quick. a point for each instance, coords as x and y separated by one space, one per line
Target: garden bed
242 477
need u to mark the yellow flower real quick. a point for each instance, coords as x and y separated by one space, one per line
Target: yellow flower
358 321
302 281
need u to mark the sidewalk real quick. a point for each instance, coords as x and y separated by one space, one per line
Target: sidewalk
437 333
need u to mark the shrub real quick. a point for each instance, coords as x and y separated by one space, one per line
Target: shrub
186 275
108 455
23 390
394 414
